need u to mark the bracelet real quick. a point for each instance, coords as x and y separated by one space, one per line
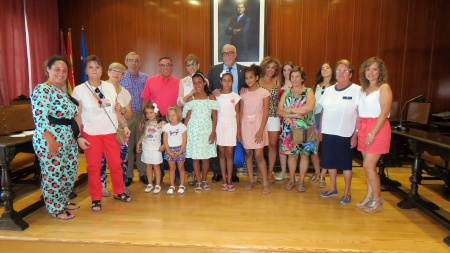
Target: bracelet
79 136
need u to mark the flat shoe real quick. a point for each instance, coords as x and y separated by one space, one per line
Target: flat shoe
301 188
289 185
123 197
170 190
181 189
327 194
73 206
157 189
69 216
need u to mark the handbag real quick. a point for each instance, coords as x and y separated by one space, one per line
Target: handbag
301 136
120 130
239 155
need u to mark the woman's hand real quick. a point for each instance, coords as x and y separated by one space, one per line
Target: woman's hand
212 137
52 144
369 139
239 137
83 143
259 137
354 140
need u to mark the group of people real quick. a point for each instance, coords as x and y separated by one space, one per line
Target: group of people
206 116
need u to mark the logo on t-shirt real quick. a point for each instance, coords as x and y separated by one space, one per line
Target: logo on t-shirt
172 133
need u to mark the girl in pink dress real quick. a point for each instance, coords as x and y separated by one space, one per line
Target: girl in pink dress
228 128
254 112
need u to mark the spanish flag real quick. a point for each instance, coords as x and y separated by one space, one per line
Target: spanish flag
70 76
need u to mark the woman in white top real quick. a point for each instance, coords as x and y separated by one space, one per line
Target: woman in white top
337 128
374 130
97 105
115 74
325 77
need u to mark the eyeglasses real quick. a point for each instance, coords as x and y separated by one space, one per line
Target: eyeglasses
228 53
165 65
134 60
99 93
116 71
342 71
191 65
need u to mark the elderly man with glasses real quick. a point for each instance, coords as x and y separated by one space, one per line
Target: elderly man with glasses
134 81
229 64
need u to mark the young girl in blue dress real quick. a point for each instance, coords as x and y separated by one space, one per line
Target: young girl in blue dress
200 114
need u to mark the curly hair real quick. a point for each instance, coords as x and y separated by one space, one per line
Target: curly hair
382 78
268 60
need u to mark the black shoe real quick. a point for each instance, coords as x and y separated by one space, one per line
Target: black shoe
234 179
144 179
216 178
72 195
128 181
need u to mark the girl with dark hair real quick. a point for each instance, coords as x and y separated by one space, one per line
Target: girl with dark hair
254 113
200 114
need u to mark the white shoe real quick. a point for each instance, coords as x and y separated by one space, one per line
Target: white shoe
281 176
149 188
181 189
157 189
171 190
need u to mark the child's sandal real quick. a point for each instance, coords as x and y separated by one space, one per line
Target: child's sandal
198 188
206 186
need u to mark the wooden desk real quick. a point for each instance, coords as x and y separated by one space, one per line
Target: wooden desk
10 219
420 141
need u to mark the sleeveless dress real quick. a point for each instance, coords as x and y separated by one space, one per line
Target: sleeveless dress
293 148
199 128
152 142
252 117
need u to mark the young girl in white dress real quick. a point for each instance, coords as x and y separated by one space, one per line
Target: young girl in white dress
228 128
151 145
175 144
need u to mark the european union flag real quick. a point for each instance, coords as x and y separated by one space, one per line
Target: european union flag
84 54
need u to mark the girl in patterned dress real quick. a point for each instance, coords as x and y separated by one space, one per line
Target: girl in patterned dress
200 114
175 146
254 112
53 140
151 145
228 129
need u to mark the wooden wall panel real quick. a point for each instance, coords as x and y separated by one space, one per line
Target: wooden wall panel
409 35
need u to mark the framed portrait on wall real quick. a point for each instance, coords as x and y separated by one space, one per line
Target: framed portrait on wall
241 23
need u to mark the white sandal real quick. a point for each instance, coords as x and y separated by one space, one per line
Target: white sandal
157 189
171 190
181 189
149 188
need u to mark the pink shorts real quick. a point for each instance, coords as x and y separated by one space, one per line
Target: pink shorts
382 140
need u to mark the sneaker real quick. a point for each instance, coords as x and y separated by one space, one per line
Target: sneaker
171 190
345 200
314 178
149 188
322 183
231 188
281 176
157 189
126 190
224 187
327 194
105 192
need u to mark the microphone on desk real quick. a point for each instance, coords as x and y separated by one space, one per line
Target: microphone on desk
400 127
